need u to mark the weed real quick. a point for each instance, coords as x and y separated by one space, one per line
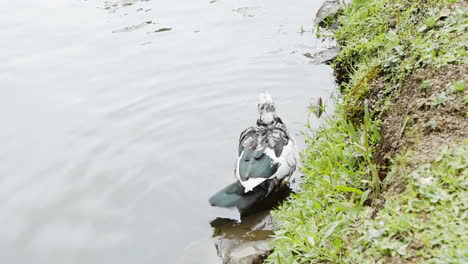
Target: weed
426 223
432 124
440 99
457 87
426 85
341 177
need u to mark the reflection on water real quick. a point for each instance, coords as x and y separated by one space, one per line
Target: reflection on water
243 241
110 148
249 237
134 27
114 5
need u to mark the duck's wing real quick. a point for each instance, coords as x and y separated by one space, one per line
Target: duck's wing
259 150
245 137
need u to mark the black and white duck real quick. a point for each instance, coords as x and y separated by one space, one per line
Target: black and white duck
267 156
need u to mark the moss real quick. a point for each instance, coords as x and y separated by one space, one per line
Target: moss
356 95
401 36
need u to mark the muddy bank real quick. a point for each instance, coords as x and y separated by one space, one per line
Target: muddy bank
428 114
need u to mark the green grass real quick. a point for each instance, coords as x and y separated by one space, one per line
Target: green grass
341 177
393 38
338 215
426 223
399 36
328 222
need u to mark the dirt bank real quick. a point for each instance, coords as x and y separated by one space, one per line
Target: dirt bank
385 178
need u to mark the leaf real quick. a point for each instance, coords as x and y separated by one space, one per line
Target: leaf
348 189
162 30
364 196
422 29
331 227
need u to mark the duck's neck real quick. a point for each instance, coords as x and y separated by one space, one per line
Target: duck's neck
266 119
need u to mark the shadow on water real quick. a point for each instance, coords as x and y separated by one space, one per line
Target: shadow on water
247 240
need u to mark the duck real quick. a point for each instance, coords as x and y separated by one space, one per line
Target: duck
267 156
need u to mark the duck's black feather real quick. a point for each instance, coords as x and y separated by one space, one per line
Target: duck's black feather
229 196
251 167
245 137
278 148
234 196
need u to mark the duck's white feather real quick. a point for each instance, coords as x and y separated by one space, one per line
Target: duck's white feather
266 151
287 164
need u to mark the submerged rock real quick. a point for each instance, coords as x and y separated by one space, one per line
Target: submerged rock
248 240
324 56
329 8
247 253
243 242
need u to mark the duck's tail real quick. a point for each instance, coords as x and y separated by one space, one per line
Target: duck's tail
234 196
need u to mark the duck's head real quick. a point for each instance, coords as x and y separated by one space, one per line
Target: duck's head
266 108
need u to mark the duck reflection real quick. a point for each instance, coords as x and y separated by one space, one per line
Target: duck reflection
248 240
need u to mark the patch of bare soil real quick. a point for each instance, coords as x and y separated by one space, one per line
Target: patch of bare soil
425 117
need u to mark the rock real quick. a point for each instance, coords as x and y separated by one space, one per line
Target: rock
246 253
241 252
329 8
445 12
244 242
266 224
248 240
324 56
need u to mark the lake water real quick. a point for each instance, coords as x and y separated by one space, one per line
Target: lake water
115 130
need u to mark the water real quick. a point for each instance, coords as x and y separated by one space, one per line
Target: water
113 136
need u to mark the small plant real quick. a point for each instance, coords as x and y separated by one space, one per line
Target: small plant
426 224
458 86
441 99
432 124
317 108
426 86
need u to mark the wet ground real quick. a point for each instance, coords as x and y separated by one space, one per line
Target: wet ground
119 119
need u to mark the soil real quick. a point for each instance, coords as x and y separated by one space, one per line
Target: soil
416 123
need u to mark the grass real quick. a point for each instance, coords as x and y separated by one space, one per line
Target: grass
341 179
395 37
399 36
426 223
344 213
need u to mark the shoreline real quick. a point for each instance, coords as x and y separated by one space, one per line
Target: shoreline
385 176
